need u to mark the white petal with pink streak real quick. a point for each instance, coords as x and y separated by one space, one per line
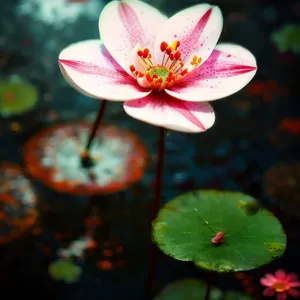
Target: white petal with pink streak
90 69
162 110
198 29
229 68
123 24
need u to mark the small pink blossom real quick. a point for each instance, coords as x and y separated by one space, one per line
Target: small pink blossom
165 70
281 284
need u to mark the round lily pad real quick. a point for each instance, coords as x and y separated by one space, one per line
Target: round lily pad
65 270
16 98
237 295
287 38
185 227
192 289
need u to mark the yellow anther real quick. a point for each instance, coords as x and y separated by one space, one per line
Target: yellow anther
195 61
174 45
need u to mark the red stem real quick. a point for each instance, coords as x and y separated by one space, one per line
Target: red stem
155 209
96 125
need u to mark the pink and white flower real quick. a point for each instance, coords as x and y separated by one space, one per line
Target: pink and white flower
281 284
165 70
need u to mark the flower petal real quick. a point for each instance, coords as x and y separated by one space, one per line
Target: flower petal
90 69
197 28
269 292
229 68
162 110
292 277
280 274
266 281
294 284
281 296
270 277
123 24
293 292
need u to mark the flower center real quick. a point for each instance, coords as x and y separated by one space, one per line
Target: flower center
159 77
280 287
162 75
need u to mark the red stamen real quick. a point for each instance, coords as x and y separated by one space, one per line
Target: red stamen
177 55
139 74
148 77
169 51
132 68
172 56
184 72
140 53
146 52
163 46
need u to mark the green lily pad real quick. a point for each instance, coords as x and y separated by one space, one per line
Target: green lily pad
287 38
65 270
191 289
16 98
237 295
186 225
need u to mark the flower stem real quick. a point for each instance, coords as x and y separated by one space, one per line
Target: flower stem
96 125
155 209
208 289
85 158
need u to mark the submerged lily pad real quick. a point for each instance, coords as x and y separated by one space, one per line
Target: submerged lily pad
16 98
282 184
191 289
186 225
54 155
18 203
